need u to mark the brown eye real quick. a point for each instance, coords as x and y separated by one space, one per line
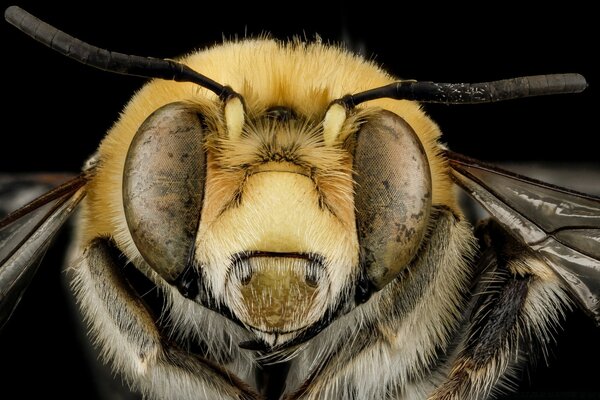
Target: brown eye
393 195
163 187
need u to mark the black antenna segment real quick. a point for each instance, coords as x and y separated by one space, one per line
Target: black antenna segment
147 67
472 93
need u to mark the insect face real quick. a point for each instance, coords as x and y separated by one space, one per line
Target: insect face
270 222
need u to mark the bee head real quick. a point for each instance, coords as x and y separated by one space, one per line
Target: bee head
285 221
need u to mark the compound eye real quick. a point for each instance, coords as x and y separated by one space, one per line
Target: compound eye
163 187
392 195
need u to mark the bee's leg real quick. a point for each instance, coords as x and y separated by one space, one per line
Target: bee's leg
128 337
519 303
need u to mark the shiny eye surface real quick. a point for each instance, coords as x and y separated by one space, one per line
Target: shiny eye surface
393 195
163 187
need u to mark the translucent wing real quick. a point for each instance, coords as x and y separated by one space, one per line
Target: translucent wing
562 226
25 236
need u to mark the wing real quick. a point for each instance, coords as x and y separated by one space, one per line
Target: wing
560 225
26 234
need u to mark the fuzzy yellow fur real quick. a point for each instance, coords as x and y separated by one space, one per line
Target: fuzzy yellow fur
303 76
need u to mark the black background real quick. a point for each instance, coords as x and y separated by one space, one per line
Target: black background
56 111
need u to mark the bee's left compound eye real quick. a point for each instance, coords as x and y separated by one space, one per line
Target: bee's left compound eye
163 187
393 195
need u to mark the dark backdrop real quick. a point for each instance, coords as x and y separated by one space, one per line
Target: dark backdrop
56 111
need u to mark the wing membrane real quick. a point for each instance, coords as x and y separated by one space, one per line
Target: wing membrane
561 225
25 236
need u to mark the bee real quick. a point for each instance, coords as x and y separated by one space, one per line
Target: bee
279 220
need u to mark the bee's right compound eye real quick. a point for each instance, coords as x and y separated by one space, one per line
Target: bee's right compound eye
163 187
392 195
